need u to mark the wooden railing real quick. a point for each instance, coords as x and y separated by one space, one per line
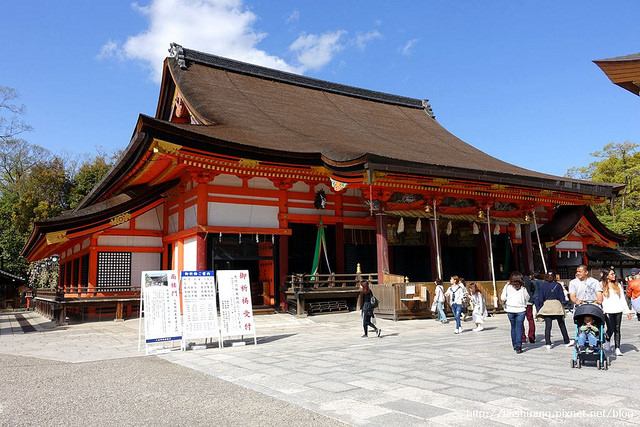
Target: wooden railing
87 291
320 282
305 291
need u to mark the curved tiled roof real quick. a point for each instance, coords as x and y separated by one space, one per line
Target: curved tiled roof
272 110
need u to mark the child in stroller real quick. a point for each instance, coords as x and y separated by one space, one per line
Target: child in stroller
588 332
589 320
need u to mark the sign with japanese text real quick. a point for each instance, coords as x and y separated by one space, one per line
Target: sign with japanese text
199 310
161 298
236 312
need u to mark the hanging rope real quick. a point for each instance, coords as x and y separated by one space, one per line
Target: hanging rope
535 225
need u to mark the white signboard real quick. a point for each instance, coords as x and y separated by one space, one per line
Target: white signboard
236 312
161 299
199 311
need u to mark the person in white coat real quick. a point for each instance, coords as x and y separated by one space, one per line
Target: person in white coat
515 297
614 305
479 313
439 300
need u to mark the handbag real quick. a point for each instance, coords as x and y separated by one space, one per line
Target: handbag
635 304
551 307
434 306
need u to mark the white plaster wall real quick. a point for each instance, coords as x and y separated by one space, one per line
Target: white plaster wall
143 262
239 215
190 217
86 243
123 226
190 254
137 241
565 244
227 181
300 187
173 223
262 183
151 220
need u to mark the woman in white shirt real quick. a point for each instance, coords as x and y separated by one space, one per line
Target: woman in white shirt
439 299
479 312
456 293
614 305
515 297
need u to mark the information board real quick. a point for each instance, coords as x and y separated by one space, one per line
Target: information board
199 310
236 312
161 305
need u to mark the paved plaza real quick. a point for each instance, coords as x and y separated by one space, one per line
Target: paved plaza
311 371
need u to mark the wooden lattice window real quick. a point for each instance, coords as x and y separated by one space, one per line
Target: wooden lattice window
114 270
84 270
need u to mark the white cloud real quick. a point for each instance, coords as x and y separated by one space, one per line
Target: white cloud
220 27
408 46
313 51
108 50
293 17
363 38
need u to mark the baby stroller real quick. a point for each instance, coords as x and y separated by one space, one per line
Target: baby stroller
596 354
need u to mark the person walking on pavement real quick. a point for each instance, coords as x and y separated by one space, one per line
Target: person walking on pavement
550 306
531 286
366 309
614 305
456 293
584 288
633 291
515 296
479 312
439 299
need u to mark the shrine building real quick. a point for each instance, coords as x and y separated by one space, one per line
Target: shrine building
242 164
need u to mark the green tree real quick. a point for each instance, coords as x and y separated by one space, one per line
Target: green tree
35 184
618 163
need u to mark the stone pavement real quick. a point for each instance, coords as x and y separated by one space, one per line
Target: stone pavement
417 373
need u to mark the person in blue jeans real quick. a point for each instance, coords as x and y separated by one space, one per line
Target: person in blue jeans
515 297
439 299
456 293
588 332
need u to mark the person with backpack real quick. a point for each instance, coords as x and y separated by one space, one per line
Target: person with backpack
367 303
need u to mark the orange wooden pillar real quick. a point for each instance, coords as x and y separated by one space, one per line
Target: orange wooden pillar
382 247
283 269
92 279
339 233
202 220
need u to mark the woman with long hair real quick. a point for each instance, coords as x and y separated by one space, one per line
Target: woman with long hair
614 305
439 299
550 305
515 297
366 309
456 293
479 313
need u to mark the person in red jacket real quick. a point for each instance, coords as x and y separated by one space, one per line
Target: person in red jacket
633 291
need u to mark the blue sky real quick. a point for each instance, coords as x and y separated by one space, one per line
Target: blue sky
513 78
